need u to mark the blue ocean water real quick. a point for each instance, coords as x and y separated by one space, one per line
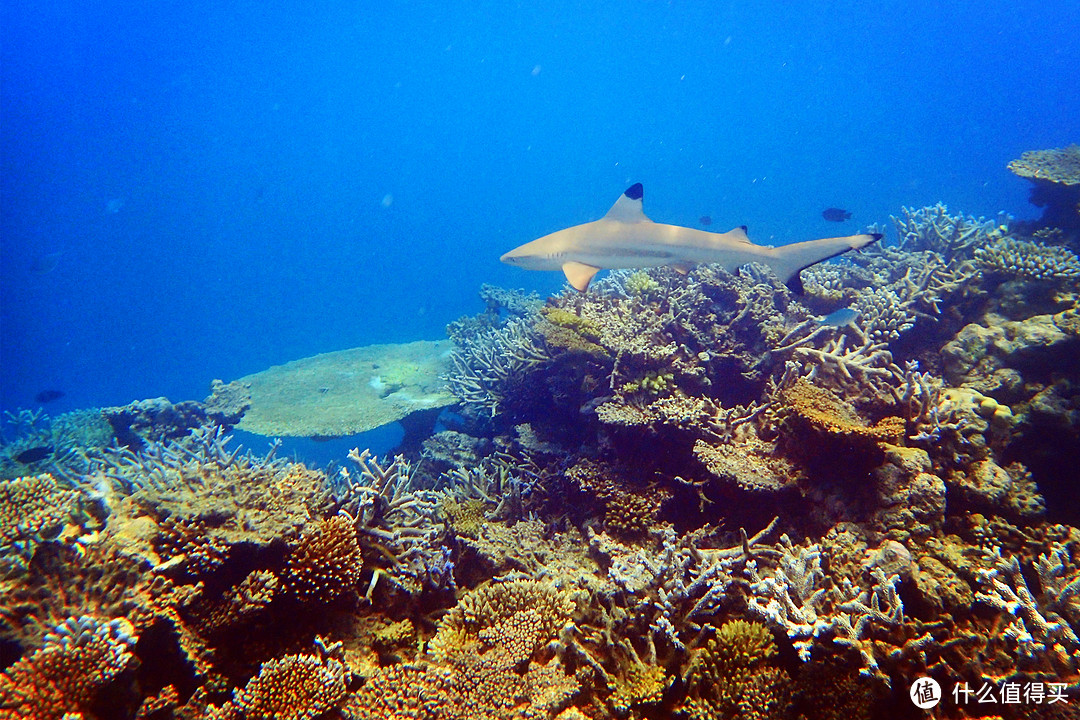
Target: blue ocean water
197 190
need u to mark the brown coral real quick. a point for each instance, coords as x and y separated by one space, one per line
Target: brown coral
80 657
188 543
632 514
326 562
239 604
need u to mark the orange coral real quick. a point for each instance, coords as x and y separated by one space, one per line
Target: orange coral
293 687
326 562
80 657
825 412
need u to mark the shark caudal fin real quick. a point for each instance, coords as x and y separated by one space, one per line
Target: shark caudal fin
788 260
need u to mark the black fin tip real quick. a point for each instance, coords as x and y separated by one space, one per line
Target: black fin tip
635 191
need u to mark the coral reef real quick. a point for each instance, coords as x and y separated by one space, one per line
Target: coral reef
674 496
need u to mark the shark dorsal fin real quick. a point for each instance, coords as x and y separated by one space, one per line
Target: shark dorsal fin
627 208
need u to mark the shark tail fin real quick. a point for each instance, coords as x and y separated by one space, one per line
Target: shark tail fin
788 260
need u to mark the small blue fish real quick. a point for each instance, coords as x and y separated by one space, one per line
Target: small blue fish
844 317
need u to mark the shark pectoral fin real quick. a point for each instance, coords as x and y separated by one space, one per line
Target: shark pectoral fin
579 274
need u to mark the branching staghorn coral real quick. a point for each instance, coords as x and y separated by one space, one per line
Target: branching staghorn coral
489 363
880 604
396 521
32 442
506 484
867 364
663 594
1039 630
798 599
794 597
933 228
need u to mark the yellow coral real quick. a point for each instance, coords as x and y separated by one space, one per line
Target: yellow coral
466 516
654 383
731 676
586 328
641 283
395 634
641 684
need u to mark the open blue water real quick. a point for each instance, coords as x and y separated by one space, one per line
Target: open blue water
196 190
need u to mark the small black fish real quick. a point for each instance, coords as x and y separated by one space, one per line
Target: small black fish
34 454
835 214
705 220
48 396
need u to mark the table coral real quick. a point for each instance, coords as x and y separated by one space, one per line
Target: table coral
1010 257
396 522
934 228
1058 165
826 413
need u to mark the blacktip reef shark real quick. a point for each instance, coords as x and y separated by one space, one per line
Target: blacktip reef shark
626 238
